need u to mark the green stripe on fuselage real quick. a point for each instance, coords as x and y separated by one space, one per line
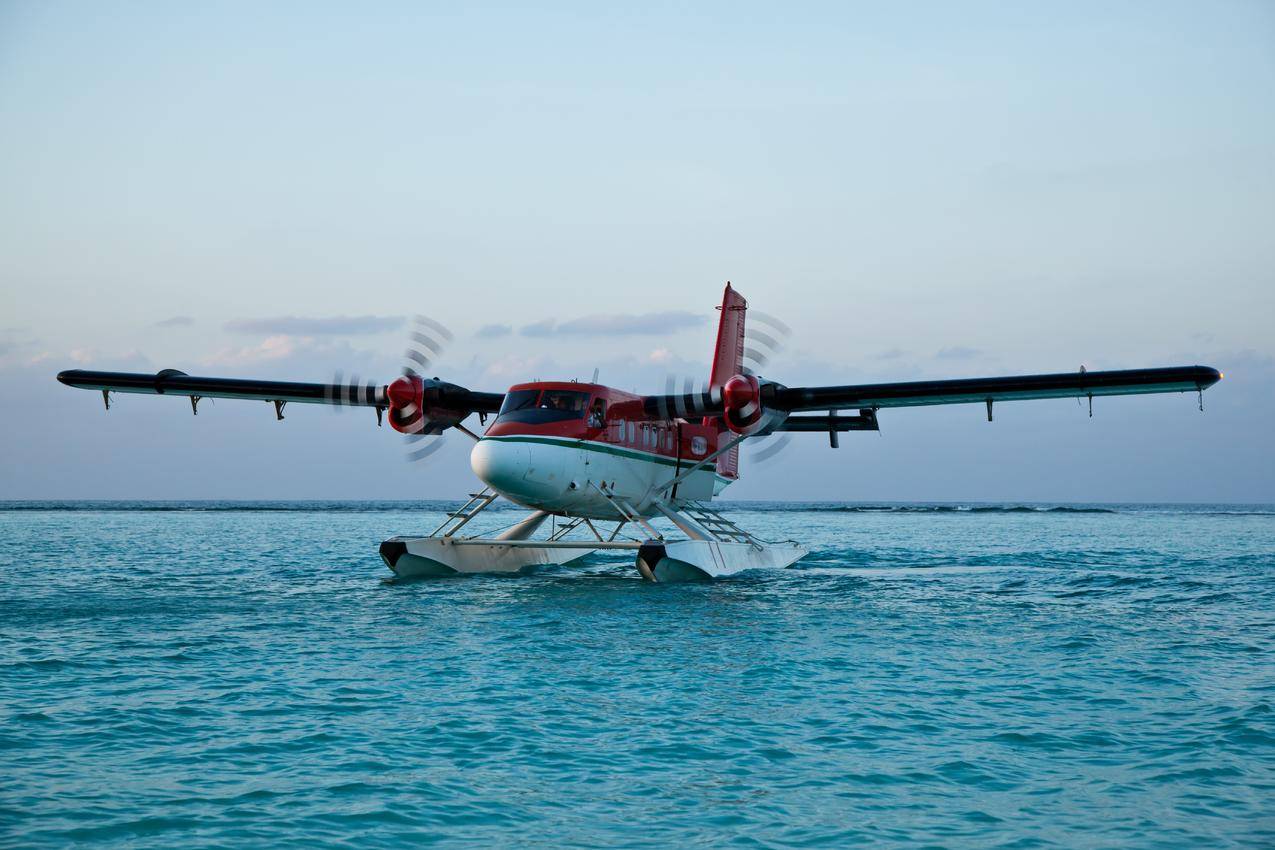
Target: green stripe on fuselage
603 448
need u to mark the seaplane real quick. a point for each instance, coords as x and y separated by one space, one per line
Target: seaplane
606 464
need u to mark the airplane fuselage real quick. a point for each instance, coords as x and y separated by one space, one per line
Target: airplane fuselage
563 446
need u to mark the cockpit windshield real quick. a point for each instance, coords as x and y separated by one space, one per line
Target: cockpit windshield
535 407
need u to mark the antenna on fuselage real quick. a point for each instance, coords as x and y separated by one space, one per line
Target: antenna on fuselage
594 380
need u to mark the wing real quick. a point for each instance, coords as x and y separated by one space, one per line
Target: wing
453 401
870 397
1008 388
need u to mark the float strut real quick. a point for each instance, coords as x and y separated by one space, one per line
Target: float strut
1200 394
989 410
1091 405
194 404
380 412
278 409
106 398
833 440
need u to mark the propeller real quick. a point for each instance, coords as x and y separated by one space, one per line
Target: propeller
689 402
765 338
410 395
428 339
762 344
762 450
688 398
412 402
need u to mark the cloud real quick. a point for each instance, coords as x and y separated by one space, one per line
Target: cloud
494 331
327 326
123 361
544 327
519 367
891 354
176 322
958 352
660 355
272 348
618 324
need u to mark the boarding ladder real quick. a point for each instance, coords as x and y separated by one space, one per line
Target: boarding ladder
456 519
717 525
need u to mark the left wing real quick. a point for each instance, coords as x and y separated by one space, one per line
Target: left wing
872 397
1009 388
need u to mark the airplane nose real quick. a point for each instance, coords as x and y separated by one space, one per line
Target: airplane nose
500 465
530 475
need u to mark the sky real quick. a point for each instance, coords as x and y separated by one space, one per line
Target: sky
917 190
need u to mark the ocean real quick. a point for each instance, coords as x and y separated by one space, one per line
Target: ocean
205 674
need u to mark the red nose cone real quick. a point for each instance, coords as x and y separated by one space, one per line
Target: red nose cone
739 392
404 392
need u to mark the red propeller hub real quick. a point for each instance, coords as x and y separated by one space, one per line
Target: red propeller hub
406 392
741 400
406 396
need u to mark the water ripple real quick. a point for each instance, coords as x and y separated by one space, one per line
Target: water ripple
1013 676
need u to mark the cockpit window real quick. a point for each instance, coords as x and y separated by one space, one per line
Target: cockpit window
534 407
567 401
519 400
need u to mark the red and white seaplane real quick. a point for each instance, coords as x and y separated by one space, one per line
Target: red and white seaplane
605 460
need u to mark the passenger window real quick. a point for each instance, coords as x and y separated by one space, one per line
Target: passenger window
632 433
598 413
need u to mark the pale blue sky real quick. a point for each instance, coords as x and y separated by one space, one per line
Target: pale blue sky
921 190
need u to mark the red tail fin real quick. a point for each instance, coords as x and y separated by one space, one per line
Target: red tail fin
728 360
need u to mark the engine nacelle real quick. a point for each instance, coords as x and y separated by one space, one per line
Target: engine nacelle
743 410
417 405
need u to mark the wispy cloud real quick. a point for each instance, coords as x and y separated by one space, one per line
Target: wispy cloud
126 361
958 352
494 331
272 348
660 355
617 324
545 327
176 322
520 367
325 326
890 354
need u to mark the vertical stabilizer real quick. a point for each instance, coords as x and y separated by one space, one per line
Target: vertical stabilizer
728 360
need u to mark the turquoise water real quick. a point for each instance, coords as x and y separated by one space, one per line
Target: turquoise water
194 674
